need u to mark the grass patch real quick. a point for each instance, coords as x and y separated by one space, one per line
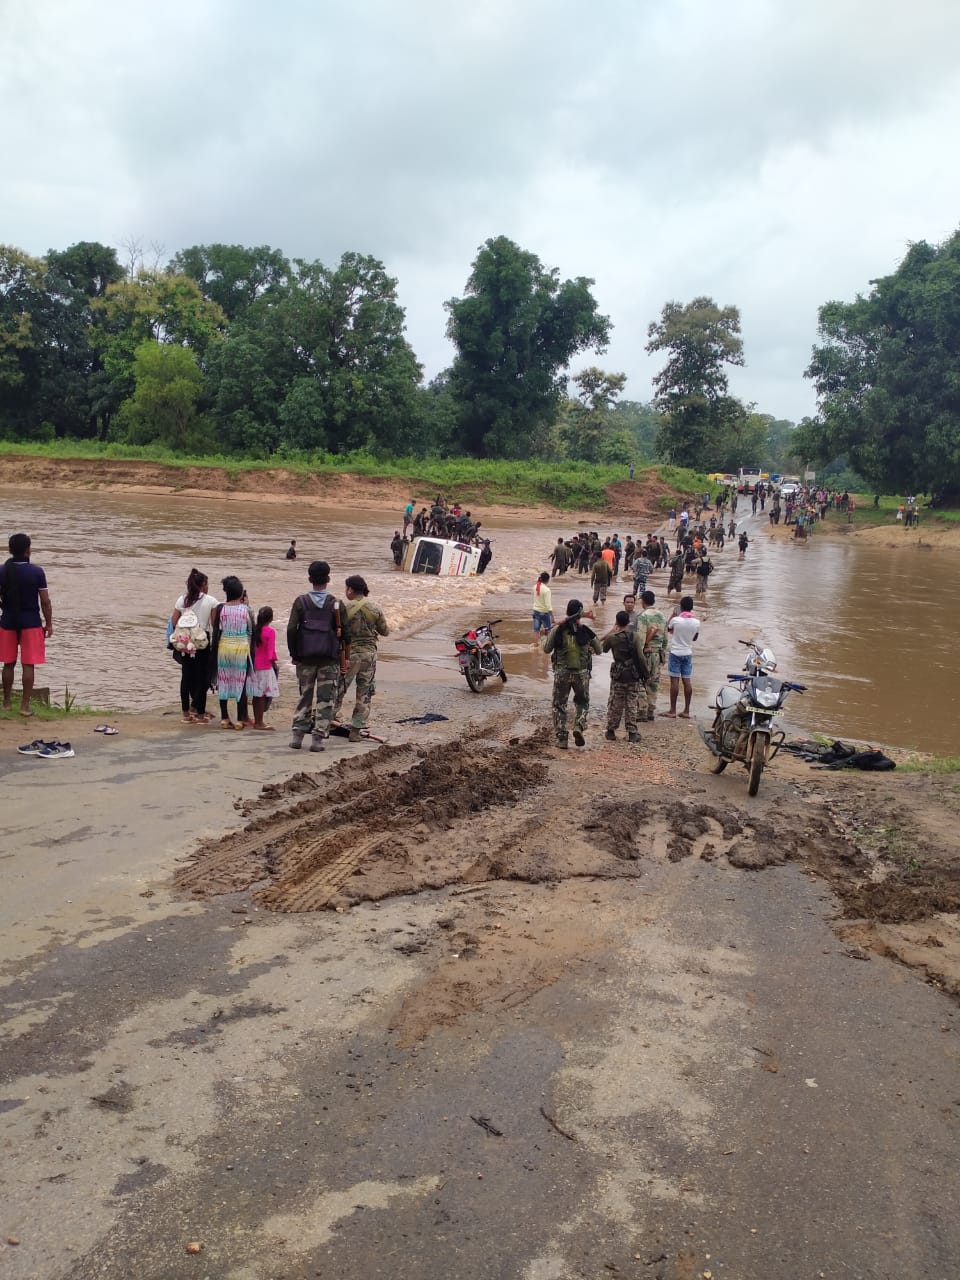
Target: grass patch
569 485
933 764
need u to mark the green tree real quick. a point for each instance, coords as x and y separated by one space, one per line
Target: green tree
331 342
515 332
151 307
231 275
888 378
642 423
692 387
163 407
588 422
22 286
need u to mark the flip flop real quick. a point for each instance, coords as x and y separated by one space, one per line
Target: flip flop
108 731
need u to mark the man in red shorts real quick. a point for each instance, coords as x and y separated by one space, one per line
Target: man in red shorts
24 596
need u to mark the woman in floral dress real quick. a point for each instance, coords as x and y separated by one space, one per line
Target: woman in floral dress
233 629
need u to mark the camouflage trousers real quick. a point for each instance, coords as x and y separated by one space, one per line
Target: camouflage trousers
319 682
363 669
652 684
627 701
563 682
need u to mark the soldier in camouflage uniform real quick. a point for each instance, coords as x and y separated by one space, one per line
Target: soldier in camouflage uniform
571 646
363 624
652 627
318 677
627 699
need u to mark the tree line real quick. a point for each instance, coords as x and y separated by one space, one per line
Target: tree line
237 350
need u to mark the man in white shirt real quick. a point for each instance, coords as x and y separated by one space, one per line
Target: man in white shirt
682 629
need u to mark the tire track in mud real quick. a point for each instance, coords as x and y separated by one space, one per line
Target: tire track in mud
308 850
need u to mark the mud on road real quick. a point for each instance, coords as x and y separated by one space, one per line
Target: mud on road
502 805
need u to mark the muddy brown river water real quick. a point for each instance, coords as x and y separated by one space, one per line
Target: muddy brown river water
871 631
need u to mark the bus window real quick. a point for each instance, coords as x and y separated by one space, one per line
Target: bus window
428 557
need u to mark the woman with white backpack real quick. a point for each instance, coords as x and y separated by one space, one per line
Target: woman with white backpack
190 641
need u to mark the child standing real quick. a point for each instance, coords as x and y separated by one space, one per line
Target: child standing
262 684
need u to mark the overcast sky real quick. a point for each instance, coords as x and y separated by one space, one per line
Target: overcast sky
769 153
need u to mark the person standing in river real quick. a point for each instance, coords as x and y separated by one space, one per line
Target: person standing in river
25 596
542 606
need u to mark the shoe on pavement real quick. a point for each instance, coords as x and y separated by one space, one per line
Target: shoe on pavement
296 742
34 748
56 751
579 738
563 746
317 744
633 737
610 736
354 734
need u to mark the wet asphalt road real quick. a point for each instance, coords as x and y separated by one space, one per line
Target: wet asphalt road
728 1091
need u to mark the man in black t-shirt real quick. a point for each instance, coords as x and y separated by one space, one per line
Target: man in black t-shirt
24 595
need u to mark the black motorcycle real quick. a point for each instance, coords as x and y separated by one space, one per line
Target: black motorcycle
478 655
742 729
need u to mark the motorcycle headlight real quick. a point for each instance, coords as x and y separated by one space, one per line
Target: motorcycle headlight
767 697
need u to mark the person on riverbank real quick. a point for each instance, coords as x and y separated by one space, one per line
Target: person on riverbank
363 625
683 630
571 647
652 627
627 700
542 605
263 681
23 632
232 633
195 668
318 650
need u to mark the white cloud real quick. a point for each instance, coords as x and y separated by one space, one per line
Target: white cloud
771 155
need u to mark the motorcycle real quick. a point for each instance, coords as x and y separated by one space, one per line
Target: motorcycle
478 655
742 729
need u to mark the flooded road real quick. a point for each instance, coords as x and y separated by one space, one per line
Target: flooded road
871 631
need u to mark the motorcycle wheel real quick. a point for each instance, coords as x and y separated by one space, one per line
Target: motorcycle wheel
474 680
756 765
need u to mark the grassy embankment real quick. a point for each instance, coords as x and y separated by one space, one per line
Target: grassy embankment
867 516
569 485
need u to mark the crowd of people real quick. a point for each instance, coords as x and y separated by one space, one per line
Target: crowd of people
642 641
224 648
440 521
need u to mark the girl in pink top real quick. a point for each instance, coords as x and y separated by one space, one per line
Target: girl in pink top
262 683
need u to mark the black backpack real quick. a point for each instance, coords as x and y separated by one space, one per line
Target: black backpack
319 631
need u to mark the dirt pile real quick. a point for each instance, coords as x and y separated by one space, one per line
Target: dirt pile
495 809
